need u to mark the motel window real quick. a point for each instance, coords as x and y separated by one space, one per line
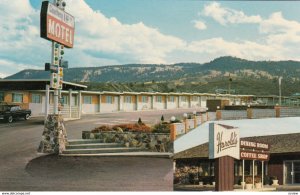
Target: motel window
194 98
17 98
159 99
36 98
171 99
184 99
1 96
87 99
74 100
109 99
144 99
64 100
127 99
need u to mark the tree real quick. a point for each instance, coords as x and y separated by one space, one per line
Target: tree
162 118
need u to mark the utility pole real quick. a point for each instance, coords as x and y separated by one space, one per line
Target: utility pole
279 83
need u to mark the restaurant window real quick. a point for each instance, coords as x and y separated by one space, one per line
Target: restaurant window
36 98
17 97
87 99
207 169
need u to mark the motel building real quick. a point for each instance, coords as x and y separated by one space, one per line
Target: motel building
76 100
192 165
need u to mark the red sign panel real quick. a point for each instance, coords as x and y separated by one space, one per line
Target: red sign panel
57 25
252 155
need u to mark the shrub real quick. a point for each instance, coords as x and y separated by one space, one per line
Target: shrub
101 129
140 122
133 128
176 121
161 128
257 180
248 180
162 119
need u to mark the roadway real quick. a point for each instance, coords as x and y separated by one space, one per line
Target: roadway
23 169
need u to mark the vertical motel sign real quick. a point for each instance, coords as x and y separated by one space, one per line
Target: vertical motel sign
57 26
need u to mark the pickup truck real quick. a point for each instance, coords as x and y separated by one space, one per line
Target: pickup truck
12 112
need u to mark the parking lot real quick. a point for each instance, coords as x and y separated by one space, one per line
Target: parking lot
23 169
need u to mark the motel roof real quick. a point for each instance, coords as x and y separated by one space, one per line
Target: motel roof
247 127
280 144
35 84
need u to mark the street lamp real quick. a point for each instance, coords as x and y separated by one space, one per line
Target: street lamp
173 118
185 115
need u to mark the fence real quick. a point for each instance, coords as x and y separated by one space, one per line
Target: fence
178 129
253 113
289 112
263 113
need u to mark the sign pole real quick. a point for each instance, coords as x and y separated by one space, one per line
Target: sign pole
253 174
55 109
262 174
244 174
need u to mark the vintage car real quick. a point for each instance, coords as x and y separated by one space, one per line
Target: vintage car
12 112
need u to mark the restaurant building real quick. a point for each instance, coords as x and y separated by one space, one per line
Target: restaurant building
192 164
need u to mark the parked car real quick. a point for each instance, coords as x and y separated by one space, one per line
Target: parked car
12 112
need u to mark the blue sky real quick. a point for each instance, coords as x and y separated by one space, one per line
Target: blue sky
113 32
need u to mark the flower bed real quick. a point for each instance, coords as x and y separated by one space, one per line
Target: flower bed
155 139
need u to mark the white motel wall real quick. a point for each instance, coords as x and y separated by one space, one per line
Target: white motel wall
92 102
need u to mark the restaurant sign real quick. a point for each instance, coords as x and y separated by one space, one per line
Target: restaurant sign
251 150
57 25
254 155
223 141
254 145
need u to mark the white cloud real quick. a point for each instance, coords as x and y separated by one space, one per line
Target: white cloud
99 40
276 23
138 42
224 15
200 25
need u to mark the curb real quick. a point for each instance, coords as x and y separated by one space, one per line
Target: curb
126 154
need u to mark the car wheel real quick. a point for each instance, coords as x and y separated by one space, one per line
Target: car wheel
10 119
27 116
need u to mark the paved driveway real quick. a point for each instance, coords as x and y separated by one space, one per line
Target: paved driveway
22 169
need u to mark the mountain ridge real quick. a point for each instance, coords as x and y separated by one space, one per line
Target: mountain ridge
179 74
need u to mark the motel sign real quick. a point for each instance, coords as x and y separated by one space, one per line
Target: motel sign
57 25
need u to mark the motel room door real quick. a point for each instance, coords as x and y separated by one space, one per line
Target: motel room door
292 172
